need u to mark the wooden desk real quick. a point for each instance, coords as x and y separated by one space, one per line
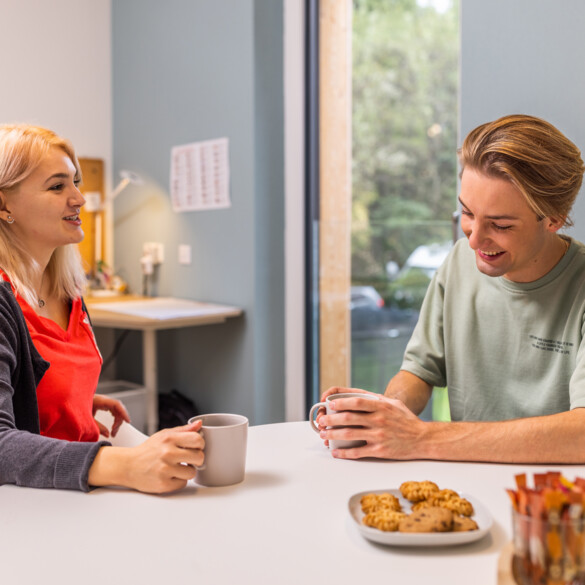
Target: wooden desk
150 314
286 523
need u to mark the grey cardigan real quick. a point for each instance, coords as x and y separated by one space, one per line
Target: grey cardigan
26 457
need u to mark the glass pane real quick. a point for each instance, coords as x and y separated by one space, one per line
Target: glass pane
405 87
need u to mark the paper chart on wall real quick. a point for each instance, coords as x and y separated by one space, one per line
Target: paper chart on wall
200 176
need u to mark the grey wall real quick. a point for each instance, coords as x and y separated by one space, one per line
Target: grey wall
525 56
184 71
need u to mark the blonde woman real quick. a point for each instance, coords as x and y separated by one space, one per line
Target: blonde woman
49 360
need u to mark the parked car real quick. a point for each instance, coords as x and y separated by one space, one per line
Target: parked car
371 316
428 258
410 285
365 297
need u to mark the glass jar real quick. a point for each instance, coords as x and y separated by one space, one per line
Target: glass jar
551 551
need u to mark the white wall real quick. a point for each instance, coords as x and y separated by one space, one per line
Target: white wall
55 65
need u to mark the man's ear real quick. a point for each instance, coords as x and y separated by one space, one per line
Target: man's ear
555 223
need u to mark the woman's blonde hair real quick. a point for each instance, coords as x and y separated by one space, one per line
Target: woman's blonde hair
22 148
532 154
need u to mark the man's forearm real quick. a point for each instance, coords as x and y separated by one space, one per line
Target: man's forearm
409 389
557 438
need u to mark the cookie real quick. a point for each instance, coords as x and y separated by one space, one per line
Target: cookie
431 519
451 501
384 519
444 495
463 524
373 502
422 504
416 491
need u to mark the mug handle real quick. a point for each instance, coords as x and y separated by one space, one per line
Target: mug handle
315 407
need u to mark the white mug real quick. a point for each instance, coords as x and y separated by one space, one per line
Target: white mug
225 437
338 443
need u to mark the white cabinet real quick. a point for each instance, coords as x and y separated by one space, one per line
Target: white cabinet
133 397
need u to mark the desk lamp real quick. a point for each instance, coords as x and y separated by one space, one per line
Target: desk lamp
127 178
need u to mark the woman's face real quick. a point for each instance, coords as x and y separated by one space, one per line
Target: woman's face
45 206
506 235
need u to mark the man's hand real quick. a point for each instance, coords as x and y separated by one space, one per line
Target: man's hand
391 430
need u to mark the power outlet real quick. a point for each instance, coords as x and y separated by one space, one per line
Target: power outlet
184 254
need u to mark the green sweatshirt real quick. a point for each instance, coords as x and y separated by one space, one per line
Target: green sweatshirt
504 349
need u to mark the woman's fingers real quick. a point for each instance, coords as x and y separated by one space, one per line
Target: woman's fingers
194 457
180 445
103 429
166 460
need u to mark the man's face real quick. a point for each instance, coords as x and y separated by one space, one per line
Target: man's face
506 235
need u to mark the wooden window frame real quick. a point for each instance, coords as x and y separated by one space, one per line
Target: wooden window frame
335 21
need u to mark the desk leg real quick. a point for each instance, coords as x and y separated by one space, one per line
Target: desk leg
150 377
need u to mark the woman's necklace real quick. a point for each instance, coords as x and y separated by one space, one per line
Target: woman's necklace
40 301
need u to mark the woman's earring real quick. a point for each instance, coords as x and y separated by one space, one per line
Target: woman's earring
9 219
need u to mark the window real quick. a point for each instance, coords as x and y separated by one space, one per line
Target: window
404 171
379 222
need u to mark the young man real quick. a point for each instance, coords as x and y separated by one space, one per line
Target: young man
503 320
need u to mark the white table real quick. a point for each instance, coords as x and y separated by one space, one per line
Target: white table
287 523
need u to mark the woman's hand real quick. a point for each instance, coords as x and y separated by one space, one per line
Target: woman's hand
115 408
165 462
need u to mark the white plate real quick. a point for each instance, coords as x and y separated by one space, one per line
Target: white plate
481 516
